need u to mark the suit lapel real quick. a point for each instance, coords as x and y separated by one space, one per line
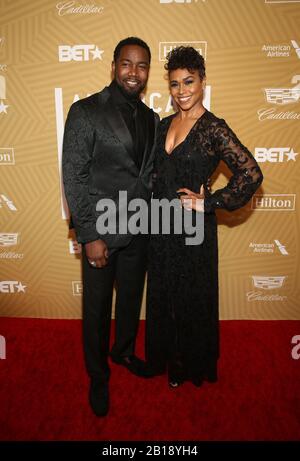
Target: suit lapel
117 124
149 134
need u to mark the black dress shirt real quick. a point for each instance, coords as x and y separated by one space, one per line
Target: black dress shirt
130 108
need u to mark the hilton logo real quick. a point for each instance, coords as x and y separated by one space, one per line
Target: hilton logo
77 288
166 47
7 156
273 202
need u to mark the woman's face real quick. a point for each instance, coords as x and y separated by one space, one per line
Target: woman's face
186 88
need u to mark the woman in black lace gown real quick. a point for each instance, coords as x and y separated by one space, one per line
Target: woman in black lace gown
182 334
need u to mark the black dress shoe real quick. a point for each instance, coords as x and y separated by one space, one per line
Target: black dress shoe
135 365
99 398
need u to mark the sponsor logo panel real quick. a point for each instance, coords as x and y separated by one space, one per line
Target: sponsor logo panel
71 7
67 53
273 202
282 50
275 247
275 154
77 288
166 47
7 156
8 240
281 97
11 286
266 284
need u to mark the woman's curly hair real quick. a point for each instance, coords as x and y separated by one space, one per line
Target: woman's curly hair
185 57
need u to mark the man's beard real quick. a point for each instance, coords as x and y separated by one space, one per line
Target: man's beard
129 93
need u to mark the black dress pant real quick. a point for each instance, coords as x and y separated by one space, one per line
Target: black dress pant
126 269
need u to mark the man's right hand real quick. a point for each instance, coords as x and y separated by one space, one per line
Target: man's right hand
96 253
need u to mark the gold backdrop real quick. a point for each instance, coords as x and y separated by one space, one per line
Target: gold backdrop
52 53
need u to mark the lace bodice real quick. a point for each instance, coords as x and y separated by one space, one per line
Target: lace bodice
193 161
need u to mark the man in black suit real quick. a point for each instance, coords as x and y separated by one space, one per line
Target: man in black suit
108 147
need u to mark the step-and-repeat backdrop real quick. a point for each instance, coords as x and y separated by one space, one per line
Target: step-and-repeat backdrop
53 53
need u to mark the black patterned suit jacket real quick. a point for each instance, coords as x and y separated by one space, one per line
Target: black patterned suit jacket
98 162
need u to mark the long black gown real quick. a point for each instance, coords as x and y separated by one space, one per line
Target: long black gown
182 292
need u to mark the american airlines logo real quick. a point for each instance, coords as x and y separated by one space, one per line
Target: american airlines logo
268 282
284 96
277 51
281 50
296 48
268 248
275 154
273 202
67 53
11 286
77 288
7 240
166 47
6 202
7 156
74 247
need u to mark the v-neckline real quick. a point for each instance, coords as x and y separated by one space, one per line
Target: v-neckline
189 132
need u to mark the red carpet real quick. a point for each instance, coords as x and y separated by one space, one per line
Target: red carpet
44 389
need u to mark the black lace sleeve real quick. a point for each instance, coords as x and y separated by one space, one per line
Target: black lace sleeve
247 175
